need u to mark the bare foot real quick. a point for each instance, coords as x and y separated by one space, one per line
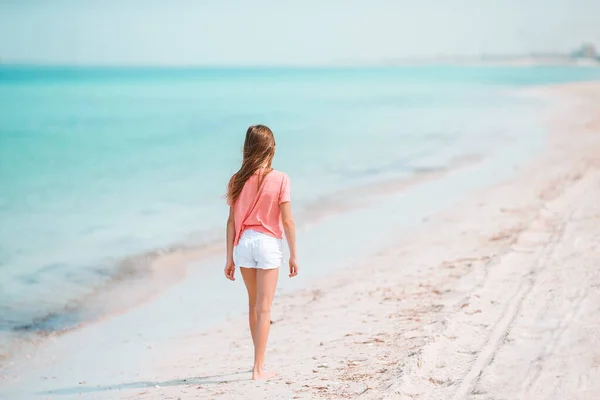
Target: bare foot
263 375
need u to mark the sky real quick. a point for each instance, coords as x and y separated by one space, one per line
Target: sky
286 32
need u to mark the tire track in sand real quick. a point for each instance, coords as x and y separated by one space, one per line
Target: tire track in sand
487 353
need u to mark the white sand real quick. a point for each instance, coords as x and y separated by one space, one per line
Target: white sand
497 298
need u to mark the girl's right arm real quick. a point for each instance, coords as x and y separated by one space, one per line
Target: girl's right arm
290 234
229 263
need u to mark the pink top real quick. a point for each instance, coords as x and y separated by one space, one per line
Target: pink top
261 213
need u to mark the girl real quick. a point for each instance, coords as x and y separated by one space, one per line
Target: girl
259 214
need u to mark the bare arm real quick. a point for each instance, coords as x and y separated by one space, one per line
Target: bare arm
230 234
229 264
290 234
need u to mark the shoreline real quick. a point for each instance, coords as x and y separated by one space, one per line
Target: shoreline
367 329
149 274
395 331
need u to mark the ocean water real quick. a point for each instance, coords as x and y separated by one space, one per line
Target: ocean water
98 166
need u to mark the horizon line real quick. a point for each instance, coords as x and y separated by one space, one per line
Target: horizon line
437 59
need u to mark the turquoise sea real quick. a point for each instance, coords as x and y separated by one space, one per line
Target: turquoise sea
103 165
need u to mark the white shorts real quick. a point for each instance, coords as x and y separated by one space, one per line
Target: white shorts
258 250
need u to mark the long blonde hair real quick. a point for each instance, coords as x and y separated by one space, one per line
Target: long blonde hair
259 149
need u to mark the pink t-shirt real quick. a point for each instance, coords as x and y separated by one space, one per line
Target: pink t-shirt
265 216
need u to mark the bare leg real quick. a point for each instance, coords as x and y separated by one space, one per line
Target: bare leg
266 282
249 275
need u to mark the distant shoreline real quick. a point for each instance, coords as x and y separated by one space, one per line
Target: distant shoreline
441 61
500 61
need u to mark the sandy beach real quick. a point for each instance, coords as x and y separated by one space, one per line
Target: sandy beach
435 167
497 297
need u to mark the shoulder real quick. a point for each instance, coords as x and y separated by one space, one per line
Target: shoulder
279 176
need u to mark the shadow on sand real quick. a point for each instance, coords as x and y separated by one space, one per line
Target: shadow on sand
202 380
